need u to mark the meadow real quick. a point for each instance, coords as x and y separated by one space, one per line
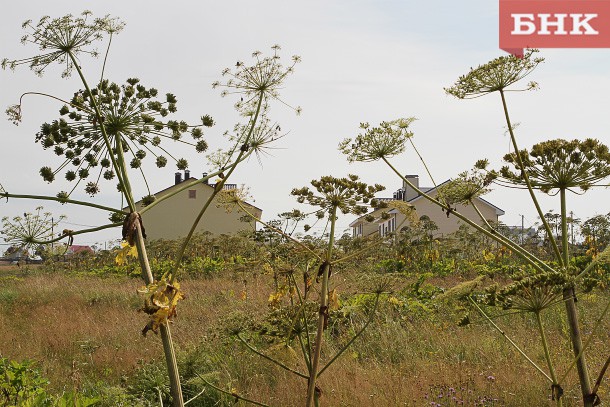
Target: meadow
78 324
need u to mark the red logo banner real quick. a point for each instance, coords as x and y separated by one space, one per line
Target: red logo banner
554 24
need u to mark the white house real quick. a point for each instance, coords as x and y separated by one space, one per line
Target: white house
423 207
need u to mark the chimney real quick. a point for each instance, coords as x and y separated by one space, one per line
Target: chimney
400 194
205 174
178 177
187 174
410 193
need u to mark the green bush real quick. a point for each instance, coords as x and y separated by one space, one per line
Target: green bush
21 383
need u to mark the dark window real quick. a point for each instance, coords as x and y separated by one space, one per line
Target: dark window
192 194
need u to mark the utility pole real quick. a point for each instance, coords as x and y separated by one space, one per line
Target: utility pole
572 227
52 235
522 228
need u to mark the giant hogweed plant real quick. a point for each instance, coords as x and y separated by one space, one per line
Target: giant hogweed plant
553 167
25 232
305 322
106 130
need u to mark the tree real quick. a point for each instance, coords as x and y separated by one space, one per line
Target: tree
596 231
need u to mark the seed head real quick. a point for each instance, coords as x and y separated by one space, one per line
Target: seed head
260 81
133 117
560 164
496 75
31 229
374 143
62 39
346 194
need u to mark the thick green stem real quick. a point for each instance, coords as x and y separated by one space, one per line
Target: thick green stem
526 178
572 312
166 336
322 313
98 115
588 341
564 230
60 200
547 357
119 166
577 347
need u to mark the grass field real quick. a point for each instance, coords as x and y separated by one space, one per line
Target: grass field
83 331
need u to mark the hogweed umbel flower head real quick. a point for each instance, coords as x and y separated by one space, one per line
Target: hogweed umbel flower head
496 75
467 186
532 293
259 81
58 38
231 199
28 230
560 164
134 118
345 194
377 142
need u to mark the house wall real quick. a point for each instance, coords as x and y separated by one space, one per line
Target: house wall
174 217
364 228
447 225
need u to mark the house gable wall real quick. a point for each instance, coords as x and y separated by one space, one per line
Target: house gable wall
449 224
173 218
423 207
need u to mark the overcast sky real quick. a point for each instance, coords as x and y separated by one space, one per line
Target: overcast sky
361 61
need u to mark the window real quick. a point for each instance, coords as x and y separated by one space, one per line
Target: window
192 193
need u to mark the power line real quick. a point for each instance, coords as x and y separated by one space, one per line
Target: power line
78 224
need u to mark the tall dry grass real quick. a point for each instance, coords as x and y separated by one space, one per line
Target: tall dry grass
86 329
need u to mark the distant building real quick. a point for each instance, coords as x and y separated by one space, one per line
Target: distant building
14 253
78 250
423 207
17 255
174 217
